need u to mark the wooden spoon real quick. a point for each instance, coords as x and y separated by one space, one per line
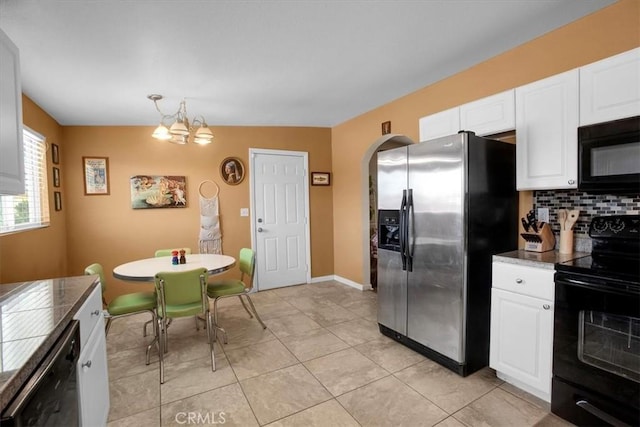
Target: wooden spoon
562 218
572 218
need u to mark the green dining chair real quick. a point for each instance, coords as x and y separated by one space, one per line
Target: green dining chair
167 252
126 304
235 287
181 294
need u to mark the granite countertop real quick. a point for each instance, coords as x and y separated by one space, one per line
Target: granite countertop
32 317
537 259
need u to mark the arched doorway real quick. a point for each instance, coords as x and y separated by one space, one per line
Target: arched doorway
368 197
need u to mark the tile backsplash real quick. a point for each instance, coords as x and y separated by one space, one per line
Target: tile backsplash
590 205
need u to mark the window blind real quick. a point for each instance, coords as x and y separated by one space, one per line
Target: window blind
31 209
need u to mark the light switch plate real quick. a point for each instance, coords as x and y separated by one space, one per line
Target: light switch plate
244 211
543 214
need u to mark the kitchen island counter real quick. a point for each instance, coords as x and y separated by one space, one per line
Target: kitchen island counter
32 317
537 259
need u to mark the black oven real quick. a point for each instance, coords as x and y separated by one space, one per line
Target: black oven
50 396
596 344
609 156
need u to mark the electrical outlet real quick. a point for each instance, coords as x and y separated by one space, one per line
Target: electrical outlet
543 214
244 211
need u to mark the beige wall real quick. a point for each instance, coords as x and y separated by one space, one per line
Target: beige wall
613 30
106 229
41 253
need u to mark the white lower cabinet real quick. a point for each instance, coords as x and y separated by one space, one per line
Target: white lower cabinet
521 344
93 381
92 370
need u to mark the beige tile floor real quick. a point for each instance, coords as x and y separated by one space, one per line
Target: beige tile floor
321 362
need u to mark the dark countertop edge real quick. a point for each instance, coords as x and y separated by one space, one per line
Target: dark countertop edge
13 385
546 260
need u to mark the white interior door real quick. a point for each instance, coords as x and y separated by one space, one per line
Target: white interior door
280 226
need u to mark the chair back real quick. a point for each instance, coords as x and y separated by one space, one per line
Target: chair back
97 269
182 293
247 260
167 252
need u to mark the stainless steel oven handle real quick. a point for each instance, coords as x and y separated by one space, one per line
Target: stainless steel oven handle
601 414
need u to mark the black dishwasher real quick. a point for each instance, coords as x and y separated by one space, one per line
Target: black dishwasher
50 395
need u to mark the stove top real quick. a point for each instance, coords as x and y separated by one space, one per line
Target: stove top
616 250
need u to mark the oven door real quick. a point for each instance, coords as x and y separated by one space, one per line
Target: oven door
596 351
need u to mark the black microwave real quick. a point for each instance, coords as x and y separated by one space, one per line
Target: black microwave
609 157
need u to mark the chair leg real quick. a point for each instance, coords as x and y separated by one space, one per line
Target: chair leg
210 331
162 349
215 321
107 326
253 307
144 328
154 321
245 307
197 324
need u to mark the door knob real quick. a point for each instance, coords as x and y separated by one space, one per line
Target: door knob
259 229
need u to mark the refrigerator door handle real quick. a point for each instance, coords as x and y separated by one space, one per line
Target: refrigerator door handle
403 226
409 243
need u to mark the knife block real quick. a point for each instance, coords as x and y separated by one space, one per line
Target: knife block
542 241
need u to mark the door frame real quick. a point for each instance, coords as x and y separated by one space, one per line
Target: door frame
305 157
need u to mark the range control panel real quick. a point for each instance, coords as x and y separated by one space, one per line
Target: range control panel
615 226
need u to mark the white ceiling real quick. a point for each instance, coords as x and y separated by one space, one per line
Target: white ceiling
260 62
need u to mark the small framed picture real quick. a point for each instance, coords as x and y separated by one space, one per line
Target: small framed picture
232 170
55 154
320 178
56 177
57 200
96 176
386 128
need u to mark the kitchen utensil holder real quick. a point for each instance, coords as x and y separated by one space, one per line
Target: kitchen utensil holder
566 242
541 241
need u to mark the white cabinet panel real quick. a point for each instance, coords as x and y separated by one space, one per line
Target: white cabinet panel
490 115
93 380
11 153
441 124
610 89
522 340
90 314
546 129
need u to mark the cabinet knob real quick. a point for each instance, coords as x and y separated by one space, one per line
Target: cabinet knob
95 313
571 181
518 281
546 306
86 364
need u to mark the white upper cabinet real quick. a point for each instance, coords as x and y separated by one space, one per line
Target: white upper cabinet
11 154
490 115
610 89
546 129
444 123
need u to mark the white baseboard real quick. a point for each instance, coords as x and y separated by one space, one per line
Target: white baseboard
342 280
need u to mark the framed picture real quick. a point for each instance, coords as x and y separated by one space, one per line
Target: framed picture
158 191
56 177
232 170
55 154
320 178
386 128
96 176
57 200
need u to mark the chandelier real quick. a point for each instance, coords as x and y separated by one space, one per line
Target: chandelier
180 130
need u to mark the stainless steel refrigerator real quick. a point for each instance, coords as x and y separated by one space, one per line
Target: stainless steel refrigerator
444 208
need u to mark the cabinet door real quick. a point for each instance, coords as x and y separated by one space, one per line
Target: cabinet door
493 114
440 124
11 154
93 380
522 339
546 132
610 89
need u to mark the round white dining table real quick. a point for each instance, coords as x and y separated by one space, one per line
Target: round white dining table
144 270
